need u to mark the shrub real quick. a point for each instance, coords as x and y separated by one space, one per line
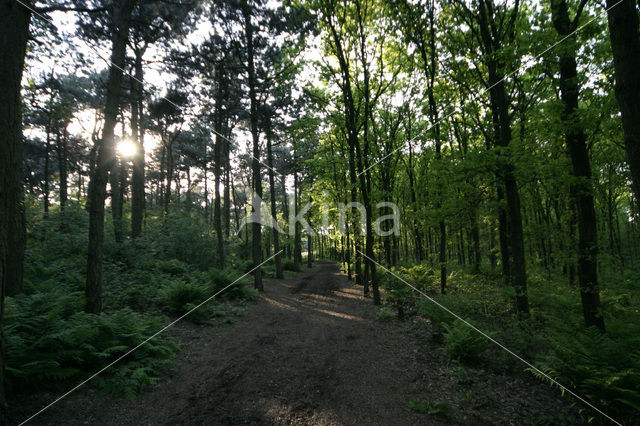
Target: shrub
463 343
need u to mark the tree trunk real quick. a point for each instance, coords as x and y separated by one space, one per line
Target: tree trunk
363 160
137 128
169 177
116 195
255 163
297 243
625 44
14 20
218 166
274 212
285 212
227 192
47 168
62 145
475 237
105 158
502 134
576 140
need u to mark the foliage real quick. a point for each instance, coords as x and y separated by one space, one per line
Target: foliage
50 340
463 343
436 314
183 237
178 296
601 367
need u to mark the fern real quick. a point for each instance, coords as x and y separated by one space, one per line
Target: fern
603 368
463 343
47 344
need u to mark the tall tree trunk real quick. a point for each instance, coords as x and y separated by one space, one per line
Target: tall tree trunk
352 140
502 134
116 195
297 243
309 243
227 192
137 128
625 44
218 150
105 157
417 233
169 177
363 160
62 147
503 234
430 68
47 167
576 140
14 21
475 237
274 213
255 163
285 212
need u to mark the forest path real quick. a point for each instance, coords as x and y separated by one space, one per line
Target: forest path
310 351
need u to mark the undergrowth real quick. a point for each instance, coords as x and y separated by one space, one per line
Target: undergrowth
164 273
604 368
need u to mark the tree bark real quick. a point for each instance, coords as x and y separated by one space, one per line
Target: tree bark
169 176
116 194
255 163
62 145
625 44
218 166
576 140
137 128
47 168
297 243
105 157
502 134
14 20
274 212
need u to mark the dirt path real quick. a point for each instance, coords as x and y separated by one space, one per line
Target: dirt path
310 351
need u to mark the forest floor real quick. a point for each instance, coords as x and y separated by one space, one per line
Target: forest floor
310 350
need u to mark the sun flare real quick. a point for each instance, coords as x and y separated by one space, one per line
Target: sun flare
127 148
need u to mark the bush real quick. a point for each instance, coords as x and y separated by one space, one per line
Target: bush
463 343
